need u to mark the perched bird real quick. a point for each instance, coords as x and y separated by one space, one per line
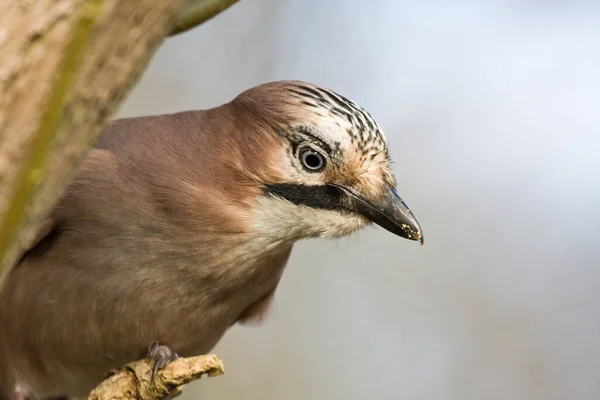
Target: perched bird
179 226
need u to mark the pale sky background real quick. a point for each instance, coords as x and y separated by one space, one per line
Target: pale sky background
492 110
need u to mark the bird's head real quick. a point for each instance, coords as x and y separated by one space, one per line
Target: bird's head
321 162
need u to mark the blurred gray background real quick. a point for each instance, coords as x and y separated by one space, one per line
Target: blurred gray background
492 110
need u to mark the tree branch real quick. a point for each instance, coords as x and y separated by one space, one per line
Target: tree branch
197 12
133 381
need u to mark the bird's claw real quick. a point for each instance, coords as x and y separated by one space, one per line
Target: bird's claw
162 356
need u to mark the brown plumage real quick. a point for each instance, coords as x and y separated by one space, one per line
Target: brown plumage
178 226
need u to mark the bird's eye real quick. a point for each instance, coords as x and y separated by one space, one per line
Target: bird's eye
312 161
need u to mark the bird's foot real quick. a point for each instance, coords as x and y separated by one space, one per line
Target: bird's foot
162 356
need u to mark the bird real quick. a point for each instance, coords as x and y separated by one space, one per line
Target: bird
178 226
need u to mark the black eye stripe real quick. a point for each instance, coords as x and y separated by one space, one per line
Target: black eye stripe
323 197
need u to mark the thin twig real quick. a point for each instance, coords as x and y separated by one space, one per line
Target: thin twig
134 380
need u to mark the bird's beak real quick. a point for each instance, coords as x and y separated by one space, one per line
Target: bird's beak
388 211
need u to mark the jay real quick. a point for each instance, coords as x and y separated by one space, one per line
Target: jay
178 226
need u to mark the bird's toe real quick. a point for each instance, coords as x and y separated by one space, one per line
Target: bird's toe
162 356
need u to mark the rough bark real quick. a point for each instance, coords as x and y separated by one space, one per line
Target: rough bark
133 381
65 66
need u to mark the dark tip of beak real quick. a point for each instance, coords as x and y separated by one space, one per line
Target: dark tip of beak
389 211
412 224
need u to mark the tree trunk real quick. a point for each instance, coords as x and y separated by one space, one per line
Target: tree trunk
65 66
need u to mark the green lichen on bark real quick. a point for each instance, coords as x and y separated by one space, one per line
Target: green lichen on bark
34 169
